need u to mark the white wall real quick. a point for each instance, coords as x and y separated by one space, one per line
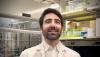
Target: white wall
98 27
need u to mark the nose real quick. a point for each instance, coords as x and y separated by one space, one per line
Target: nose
53 25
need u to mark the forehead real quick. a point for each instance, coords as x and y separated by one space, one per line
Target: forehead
51 16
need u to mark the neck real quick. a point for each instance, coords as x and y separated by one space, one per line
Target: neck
52 43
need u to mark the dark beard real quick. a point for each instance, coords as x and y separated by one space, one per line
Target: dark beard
50 36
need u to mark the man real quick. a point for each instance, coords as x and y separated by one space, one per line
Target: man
51 24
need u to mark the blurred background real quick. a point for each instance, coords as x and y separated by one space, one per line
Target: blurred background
19 27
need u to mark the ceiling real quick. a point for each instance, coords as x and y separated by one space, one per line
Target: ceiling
17 7
36 7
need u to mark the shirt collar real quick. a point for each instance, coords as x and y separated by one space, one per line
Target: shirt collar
60 47
45 46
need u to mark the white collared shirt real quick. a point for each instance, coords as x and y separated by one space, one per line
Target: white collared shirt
50 51
44 50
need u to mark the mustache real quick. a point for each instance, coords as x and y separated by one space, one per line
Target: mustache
53 29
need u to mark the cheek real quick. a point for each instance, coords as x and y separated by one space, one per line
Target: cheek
59 26
45 27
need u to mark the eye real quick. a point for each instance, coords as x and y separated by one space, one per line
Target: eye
48 21
58 21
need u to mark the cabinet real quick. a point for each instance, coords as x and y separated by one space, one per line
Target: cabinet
16 34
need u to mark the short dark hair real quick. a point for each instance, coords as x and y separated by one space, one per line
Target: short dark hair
47 11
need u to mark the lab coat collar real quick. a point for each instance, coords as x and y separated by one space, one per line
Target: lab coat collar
44 46
60 47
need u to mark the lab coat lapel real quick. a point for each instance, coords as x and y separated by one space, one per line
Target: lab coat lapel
39 51
61 49
61 53
42 50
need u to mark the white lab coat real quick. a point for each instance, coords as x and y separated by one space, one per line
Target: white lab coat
38 51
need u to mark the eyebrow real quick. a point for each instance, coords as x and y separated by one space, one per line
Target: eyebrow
50 19
47 19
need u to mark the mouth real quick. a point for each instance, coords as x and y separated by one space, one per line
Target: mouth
52 32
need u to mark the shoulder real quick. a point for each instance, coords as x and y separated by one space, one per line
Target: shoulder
31 49
29 52
71 53
68 51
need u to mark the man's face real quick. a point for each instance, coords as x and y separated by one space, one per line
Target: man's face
51 27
